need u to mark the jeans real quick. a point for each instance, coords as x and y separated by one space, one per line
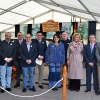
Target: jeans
26 71
5 75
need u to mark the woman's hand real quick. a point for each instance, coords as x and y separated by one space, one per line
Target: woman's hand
47 63
68 62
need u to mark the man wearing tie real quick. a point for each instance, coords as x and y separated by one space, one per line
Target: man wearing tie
28 53
90 58
7 55
41 49
18 58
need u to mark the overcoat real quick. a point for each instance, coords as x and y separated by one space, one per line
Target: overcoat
75 56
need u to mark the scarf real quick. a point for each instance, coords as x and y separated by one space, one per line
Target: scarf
76 44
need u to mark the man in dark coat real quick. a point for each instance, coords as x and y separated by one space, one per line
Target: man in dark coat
7 55
41 49
28 53
18 42
66 42
91 67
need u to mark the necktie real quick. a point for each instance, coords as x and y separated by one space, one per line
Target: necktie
20 41
91 48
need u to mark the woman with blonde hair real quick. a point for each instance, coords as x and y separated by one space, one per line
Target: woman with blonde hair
74 61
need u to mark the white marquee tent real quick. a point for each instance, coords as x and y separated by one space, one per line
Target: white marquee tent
36 11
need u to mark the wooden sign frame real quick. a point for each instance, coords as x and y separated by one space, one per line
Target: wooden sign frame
50 26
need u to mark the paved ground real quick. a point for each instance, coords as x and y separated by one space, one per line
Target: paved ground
52 95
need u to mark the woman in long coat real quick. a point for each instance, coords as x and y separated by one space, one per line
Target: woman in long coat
55 58
75 62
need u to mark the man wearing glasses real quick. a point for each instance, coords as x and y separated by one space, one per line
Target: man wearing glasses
41 49
28 53
18 58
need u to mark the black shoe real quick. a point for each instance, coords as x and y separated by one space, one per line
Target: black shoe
97 92
71 89
56 88
17 85
87 90
2 91
60 86
53 89
77 90
32 89
24 90
40 86
8 89
27 86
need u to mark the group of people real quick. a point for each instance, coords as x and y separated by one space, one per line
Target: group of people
91 54
23 54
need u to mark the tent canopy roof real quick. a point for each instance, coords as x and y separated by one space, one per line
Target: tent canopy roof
20 11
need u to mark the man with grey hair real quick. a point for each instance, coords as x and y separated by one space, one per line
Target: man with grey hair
7 55
65 42
18 42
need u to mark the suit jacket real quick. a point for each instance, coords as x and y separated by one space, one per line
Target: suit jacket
7 50
98 54
41 48
88 56
25 55
17 59
66 44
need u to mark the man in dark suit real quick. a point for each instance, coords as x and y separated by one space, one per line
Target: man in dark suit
18 58
28 53
90 58
41 49
7 55
66 43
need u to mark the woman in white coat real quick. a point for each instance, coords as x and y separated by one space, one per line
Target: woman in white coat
75 62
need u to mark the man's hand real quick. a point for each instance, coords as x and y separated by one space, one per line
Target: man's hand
8 59
28 61
41 57
19 57
91 64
